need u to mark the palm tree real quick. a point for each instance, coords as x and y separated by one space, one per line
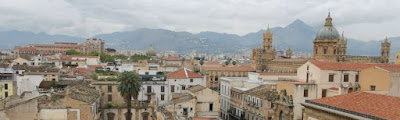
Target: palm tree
130 84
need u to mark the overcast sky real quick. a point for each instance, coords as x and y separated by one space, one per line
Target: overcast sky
360 19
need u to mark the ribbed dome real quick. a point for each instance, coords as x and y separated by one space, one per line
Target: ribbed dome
328 32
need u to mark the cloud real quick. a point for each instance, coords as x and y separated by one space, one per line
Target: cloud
360 19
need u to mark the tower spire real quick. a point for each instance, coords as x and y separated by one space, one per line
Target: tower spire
386 39
268 30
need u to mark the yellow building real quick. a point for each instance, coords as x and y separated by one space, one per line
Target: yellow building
6 83
213 74
397 58
382 79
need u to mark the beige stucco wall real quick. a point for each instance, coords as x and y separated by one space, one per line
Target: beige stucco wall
374 76
204 98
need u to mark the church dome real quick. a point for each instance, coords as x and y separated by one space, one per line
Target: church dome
328 31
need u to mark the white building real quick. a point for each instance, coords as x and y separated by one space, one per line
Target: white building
240 83
27 83
182 79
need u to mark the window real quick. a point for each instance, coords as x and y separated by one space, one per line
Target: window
308 67
325 50
172 88
53 79
183 87
316 51
373 87
162 96
191 80
147 73
216 79
162 88
211 107
346 78
109 97
305 93
5 86
148 89
356 78
109 88
331 78
149 97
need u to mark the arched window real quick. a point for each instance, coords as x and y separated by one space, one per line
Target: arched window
145 116
281 116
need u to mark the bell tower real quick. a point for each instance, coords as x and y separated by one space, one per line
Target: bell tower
267 41
385 51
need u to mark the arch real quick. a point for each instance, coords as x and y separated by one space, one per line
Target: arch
281 116
110 116
145 115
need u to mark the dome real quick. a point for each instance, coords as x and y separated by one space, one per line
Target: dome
328 32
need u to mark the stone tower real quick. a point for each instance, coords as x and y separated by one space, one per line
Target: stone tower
342 45
289 53
385 49
268 51
267 41
326 43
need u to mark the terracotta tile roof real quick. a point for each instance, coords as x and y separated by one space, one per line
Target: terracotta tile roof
263 92
342 66
236 68
286 74
334 88
196 88
173 59
378 105
390 67
183 73
182 98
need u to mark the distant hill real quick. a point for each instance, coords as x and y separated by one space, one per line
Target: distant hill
298 36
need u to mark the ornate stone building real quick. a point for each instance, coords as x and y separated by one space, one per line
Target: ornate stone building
266 52
264 58
151 52
330 46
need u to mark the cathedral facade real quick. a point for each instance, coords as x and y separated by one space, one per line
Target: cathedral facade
330 46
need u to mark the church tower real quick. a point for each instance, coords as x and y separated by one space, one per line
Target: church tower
267 41
326 42
289 53
342 45
385 49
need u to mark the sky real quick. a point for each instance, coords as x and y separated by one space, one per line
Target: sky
360 19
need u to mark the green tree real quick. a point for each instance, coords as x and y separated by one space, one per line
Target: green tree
93 54
72 52
233 63
129 87
227 62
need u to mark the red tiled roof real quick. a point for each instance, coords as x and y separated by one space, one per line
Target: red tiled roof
270 73
334 88
184 73
390 67
342 66
236 68
173 59
384 106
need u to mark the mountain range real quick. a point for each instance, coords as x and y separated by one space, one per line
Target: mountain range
298 36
